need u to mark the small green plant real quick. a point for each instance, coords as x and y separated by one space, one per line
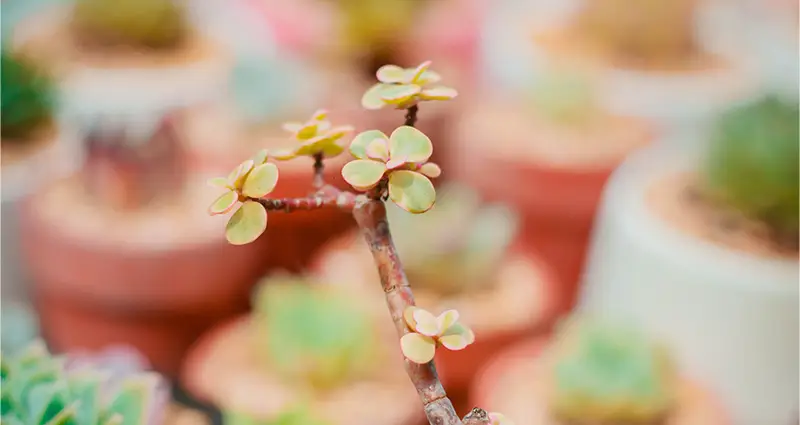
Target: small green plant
296 416
27 98
565 97
752 164
297 320
646 29
465 241
154 24
313 334
39 389
606 374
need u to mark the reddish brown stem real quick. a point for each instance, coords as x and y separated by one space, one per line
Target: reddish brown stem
319 168
411 115
371 218
325 198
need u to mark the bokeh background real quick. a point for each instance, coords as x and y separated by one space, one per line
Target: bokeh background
634 162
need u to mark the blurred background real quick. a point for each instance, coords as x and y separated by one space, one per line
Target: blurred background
634 163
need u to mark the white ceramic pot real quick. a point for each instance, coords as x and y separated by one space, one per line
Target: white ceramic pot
97 86
730 317
679 102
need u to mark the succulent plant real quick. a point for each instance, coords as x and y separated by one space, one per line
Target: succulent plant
313 334
300 415
646 29
752 164
27 98
565 96
465 241
607 374
38 388
155 24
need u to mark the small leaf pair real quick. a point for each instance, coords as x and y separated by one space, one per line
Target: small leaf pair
404 157
499 419
429 331
252 179
405 87
316 136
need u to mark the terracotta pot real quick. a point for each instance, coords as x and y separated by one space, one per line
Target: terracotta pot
715 293
225 369
554 177
523 302
514 384
154 278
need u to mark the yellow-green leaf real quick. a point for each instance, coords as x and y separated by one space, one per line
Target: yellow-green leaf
418 348
428 77
363 174
236 178
224 203
447 319
457 337
284 154
308 131
431 170
220 182
260 157
416 74
411 191
438 93
358 147
332 149
408 316
378 149
391 74
372 98
261 181
246 224
400 93
319 114
339 132
425 322
312 146
409 143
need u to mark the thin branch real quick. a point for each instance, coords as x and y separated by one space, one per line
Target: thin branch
411 116
371 218
319 168
327 197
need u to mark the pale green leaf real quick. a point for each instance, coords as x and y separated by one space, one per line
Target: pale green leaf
372 98
246 224
284 154
319 115
428 77
438 93
400 93
417 73
293 127
261 181
332 149
447 319
260 157
308 131
378 149
224 203
418 348
431 170
457 337
409 143
358 147
220 182
425 323
411 191
391 74
363 174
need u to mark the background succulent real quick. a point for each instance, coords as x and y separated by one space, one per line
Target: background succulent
606 374
464 240
313 334
565 97
138 23
752 164
40 389
27 97
297 416
646 29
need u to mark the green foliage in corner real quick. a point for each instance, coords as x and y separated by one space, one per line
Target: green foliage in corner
27 97
753 162
139 23
314 334
607 374
38 389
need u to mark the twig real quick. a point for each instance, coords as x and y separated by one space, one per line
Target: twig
322 199
477 416
411 116
319 168
371 219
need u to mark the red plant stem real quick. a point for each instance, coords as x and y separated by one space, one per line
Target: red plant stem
371 219
411 115
322 199
319 168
